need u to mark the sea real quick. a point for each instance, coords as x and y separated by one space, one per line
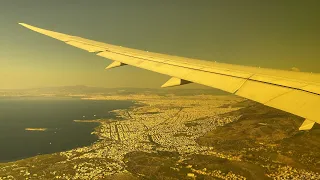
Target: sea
55 114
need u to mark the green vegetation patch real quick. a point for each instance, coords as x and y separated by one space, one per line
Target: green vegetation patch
190 124
182 134
267 136
168 165
159 165
39 165
210 163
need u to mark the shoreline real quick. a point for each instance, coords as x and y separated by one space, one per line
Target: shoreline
185 133
91 128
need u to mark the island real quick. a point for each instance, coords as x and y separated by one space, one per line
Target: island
35 129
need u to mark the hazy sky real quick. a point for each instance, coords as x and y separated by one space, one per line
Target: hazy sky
274 34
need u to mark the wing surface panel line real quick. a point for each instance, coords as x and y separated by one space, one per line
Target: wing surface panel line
243 83
279 96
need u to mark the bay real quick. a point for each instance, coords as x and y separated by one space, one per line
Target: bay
55 114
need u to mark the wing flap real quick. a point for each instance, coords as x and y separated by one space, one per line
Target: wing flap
226 83
261 92
300 103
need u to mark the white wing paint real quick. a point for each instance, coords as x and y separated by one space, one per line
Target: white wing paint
294 92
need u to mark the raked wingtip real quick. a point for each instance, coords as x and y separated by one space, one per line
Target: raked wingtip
26 25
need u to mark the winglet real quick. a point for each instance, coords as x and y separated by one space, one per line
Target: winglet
175 82
306 125
56 35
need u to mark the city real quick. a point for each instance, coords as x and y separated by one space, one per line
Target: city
154 125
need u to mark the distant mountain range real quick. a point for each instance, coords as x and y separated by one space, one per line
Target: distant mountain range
81 89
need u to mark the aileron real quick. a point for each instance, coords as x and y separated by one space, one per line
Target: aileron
261 92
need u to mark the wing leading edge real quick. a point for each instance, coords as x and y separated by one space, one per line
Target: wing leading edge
294 92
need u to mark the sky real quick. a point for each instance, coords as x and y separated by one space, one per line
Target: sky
272 34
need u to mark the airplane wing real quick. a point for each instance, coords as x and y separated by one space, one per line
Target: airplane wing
294 92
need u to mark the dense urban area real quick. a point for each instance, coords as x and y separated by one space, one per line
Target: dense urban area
184 137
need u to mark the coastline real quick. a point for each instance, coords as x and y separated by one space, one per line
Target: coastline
127 132
184 134
50 136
